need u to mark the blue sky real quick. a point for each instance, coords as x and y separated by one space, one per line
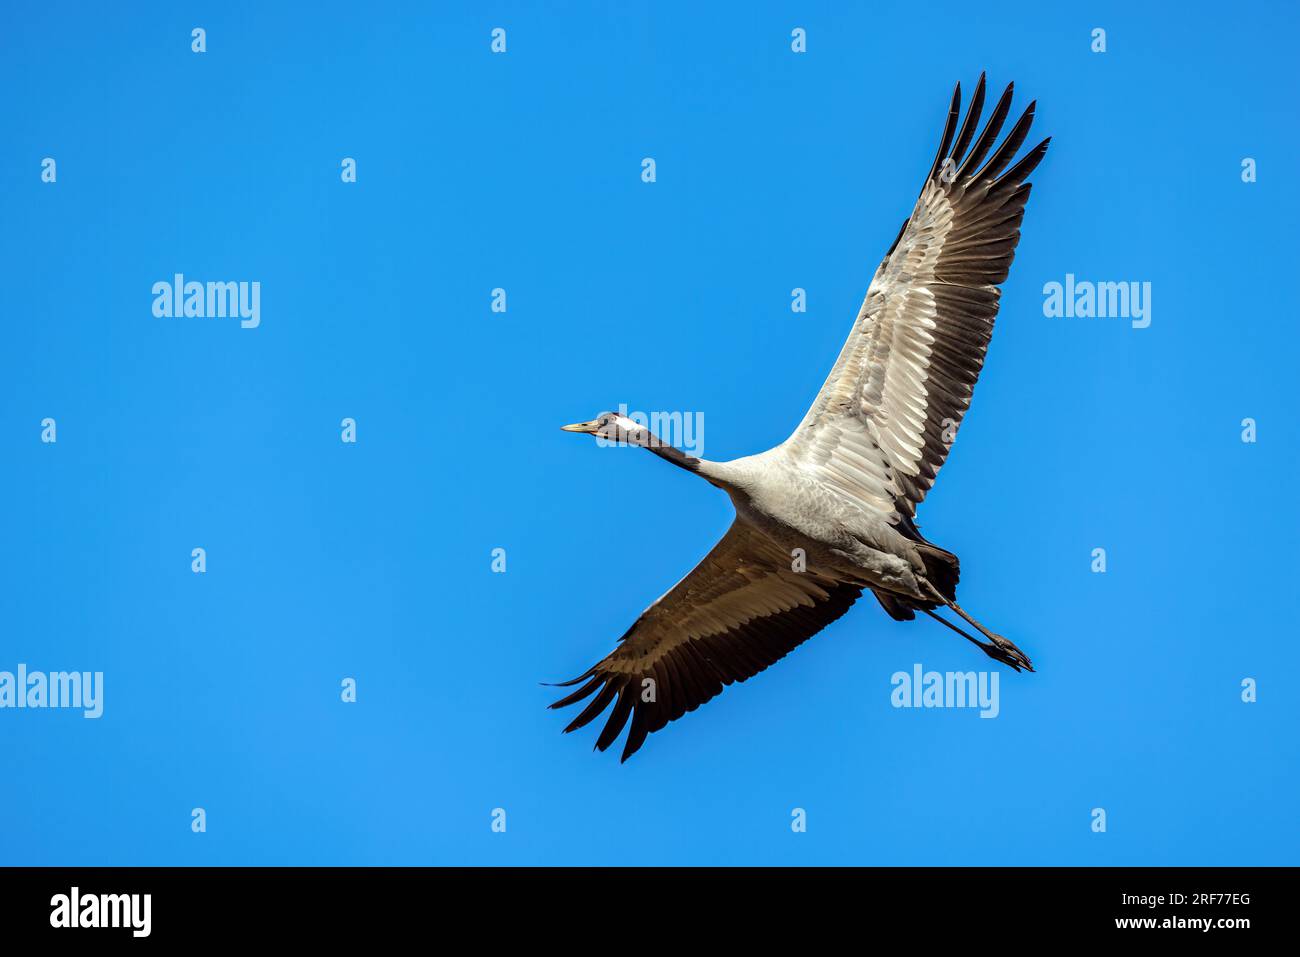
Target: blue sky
521 171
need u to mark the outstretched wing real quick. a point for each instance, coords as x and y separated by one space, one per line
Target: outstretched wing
741 609
882 424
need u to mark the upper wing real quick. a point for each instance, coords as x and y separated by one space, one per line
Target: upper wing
738 611
883 422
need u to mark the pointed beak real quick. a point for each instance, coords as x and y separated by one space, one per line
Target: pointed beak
580 427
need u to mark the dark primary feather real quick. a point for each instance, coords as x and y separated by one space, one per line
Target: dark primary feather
741 609
694 672
972 118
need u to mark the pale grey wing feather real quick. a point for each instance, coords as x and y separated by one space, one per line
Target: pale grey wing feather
883 423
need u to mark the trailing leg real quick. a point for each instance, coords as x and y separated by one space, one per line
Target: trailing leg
1000 648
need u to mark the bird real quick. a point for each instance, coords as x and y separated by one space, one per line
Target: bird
831 512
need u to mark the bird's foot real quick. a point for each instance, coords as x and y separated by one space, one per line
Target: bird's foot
1000 649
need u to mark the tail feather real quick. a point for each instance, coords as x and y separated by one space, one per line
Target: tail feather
896 607
942 568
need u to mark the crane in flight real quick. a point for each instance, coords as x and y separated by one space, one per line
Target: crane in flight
831 511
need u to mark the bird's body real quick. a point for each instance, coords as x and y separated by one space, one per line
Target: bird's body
835 535
831 511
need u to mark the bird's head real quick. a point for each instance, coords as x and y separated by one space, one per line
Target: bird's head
612 427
